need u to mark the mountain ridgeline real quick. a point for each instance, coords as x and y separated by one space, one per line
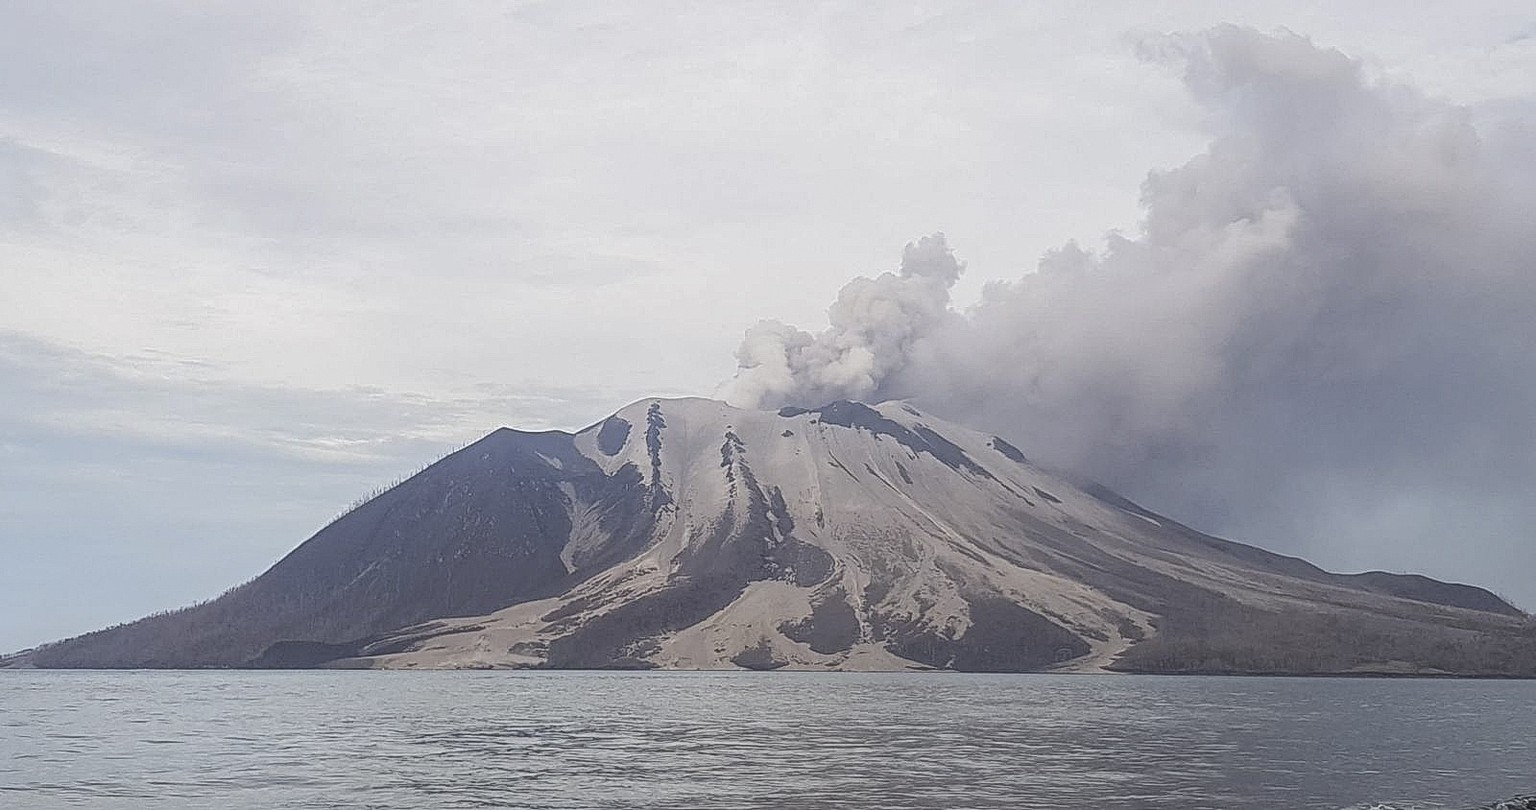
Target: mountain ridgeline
688 534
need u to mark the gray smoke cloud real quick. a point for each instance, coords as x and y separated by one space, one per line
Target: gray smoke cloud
1321 339
874 325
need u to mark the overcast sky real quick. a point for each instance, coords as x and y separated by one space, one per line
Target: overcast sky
260 259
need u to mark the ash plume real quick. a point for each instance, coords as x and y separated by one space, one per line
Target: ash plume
874 324
1322 339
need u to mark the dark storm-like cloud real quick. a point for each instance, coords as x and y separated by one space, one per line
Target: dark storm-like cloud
1321 339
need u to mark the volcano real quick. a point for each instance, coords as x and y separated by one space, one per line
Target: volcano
687 534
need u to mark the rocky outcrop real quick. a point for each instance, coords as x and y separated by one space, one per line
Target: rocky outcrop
1517 803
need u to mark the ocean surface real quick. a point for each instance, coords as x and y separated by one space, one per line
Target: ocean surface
756 740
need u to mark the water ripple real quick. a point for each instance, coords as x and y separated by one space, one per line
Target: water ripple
549 741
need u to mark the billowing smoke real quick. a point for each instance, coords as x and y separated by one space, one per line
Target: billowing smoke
1323 338
874 324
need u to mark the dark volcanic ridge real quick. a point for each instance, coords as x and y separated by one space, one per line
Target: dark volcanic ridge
689 534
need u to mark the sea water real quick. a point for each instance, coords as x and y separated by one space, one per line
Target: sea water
300 739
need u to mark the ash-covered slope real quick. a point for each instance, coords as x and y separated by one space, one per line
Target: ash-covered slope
478 530
689 534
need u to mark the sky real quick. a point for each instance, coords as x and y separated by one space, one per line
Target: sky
1260 266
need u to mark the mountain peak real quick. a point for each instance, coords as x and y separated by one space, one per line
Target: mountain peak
687 533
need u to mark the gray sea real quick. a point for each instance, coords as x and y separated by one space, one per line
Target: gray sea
756 740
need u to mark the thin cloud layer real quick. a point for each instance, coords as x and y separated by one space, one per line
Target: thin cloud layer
1320 339
149 482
